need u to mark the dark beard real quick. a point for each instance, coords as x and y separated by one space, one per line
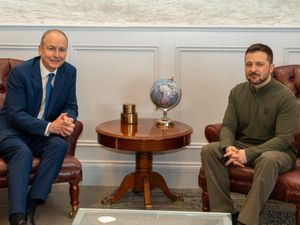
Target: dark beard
259 81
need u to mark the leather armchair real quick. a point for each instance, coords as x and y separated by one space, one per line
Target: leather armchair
71 170
287 188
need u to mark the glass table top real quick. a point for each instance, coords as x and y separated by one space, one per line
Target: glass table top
86 216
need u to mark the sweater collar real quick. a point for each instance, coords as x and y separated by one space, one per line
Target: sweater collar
263 89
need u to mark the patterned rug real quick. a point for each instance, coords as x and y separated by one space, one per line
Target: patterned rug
274 213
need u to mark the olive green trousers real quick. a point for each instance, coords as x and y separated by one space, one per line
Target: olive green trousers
267 167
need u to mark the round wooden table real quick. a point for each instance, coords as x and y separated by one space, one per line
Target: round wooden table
144 138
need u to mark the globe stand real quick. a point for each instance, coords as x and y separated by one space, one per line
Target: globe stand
164 121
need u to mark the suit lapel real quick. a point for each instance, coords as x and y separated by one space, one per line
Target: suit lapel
37 86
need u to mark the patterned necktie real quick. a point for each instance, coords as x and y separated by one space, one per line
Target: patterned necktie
48 93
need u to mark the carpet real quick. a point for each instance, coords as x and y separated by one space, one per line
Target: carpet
274 213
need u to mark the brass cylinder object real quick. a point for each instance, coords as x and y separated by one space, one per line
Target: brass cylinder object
129 115
128 129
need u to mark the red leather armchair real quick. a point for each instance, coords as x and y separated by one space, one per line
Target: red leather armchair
71 170
287 188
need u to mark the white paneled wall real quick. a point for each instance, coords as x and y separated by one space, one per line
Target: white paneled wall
118 65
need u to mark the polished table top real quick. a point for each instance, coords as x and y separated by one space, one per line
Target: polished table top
143 136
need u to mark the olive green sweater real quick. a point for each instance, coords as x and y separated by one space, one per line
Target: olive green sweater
259 121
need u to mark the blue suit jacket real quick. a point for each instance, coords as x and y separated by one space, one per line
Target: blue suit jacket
24 96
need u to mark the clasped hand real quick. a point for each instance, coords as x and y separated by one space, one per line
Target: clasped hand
62 126
236 157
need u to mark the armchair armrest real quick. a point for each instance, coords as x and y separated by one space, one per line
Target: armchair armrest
72 139
212 132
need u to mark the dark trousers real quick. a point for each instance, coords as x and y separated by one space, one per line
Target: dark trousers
18 152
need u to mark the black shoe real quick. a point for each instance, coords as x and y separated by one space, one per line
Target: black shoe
30 220
17 219
234 218
22 222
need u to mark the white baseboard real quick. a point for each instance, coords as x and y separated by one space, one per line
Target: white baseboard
107 174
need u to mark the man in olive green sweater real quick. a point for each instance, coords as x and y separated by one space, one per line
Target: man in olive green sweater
262 114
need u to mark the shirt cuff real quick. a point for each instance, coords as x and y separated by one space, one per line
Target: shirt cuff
46 131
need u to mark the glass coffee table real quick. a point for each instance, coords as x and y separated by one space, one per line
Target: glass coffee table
87 216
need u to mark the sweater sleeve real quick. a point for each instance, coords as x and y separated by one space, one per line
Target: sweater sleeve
229 125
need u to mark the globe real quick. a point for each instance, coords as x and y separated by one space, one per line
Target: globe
165 94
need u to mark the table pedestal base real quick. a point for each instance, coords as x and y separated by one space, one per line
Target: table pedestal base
142 180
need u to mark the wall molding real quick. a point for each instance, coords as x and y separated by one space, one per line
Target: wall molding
104 27
75 48
19 46
111 173
179 49
94 144
288 51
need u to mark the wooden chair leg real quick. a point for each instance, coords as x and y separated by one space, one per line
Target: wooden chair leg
205 201
297 214
74 196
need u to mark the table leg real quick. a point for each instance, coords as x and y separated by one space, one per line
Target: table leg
158 181
127 183
150 179
143 179
147 192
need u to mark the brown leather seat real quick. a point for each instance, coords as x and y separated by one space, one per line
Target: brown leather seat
71 170
287 188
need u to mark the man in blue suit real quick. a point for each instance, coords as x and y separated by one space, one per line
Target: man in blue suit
32 124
